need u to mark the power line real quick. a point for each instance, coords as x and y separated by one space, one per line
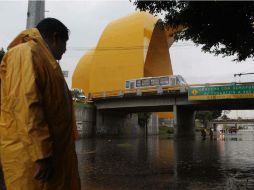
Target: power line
240 74
73 48
107 48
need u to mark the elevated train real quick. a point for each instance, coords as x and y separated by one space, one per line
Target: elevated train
146 82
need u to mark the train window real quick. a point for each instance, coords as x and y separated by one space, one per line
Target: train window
172 81
138 83
164 80
178 81
127 84
155 81
145 82
132 84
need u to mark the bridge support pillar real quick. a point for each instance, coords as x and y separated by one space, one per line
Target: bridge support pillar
118 124
108 124
124 124
184 122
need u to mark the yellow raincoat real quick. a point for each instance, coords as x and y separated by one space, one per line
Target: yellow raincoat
36 116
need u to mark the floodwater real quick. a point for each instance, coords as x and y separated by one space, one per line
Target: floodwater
223 163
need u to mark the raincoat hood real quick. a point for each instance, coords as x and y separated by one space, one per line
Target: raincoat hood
25 36
33 34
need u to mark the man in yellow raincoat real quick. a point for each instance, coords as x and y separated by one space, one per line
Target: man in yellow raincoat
2 186
37 126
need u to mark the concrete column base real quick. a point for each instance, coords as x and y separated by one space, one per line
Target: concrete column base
117 124
153 125
124 125
184 122
85 121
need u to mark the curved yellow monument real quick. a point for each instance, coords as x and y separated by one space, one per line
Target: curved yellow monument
80 78
130 47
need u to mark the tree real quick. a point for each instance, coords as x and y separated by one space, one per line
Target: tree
220 27
225 117
77 94
143 118
206 116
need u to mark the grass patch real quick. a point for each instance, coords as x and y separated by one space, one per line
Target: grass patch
166 132
82 105
124 145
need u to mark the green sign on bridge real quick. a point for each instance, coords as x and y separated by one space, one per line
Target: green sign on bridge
233 91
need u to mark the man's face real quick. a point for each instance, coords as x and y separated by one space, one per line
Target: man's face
58 48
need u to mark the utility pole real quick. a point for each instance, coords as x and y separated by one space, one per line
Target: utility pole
35 12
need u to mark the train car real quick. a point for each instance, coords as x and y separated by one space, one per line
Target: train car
146 82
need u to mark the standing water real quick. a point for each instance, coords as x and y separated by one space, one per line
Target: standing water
223 163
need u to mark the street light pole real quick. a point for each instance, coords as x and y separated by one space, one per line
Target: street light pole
35 12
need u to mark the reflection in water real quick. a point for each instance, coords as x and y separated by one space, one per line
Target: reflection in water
197 163
121 164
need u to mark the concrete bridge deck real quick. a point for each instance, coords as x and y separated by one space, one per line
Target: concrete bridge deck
112 107
165 102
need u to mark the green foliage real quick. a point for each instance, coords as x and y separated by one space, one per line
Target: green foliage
143 118
124 145
166 132
205 116
82 105
198 125
77 95
220 27
225 117
1 54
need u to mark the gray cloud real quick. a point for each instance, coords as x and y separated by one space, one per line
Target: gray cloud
87 20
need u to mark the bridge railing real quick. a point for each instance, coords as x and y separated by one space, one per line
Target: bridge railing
220 84
137 92
155 90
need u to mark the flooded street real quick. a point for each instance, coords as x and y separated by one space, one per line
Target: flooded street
224 163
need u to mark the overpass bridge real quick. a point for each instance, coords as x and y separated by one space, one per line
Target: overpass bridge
234 121
114 106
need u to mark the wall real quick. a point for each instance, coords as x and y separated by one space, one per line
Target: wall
106 124
92 123
85 119
118 124
153 125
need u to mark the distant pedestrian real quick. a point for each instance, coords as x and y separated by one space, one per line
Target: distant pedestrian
211 134
2 185
203 134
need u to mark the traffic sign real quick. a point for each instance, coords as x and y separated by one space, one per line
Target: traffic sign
233 91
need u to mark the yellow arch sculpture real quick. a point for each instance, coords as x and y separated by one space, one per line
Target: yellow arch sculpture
130 47
81 76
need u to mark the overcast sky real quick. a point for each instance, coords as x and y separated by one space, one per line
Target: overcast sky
86 21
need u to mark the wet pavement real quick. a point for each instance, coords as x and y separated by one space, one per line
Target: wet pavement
224 163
